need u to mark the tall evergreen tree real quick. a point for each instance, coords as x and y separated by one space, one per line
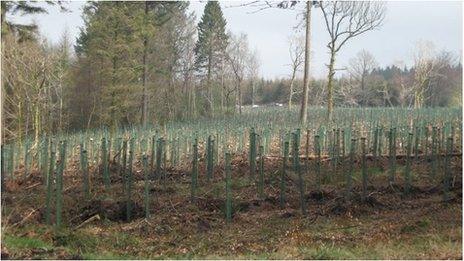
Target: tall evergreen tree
155 15
210 47
132 50
23 31
109 47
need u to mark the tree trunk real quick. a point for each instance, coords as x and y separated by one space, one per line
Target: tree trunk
194 102
419 96
252 93
113 95
222 85
304 101
2 88
60 128
37 125
363 93
210 91
330 87
240 99
144 77
290 96
20 121
239 96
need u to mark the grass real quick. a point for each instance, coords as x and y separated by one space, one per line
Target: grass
20 243
78 244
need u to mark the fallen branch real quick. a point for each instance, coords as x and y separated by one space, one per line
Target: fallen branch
33 185
95 217
25 218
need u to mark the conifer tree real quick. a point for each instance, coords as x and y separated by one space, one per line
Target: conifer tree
209 50
109 47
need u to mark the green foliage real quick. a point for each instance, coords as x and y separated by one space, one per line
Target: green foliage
16 243
24 32
210 49
111 52
119 44
212 37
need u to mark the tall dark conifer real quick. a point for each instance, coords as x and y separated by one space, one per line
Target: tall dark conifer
210 47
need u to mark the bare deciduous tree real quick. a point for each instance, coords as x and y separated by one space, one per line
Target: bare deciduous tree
346 20
424 66
237 57
304 101
290 4
297 51
360 67
253 72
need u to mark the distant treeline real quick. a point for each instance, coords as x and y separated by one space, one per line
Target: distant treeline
389 86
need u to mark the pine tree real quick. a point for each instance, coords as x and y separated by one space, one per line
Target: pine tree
128 47
209 50
24 32
109 47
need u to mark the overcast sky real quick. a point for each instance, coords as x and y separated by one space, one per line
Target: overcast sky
268 31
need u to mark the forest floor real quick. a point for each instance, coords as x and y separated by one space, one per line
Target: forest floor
386 225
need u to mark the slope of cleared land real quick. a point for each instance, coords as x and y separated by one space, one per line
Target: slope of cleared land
387 224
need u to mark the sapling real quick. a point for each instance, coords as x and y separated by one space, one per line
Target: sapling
408 165
59 184
50 177
364 168
129 180
349 176
283 174
252 154
447 176
146 186
261 172
104 162
194 182
296 165
228 188
317 149
209 156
